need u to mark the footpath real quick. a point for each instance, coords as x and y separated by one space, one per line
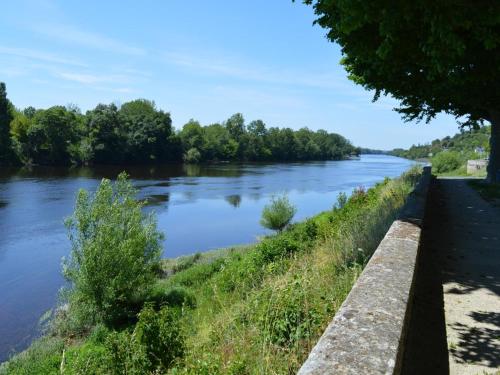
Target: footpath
455 326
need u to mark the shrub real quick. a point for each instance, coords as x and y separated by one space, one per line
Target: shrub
124 355
115 251
446 161
160 336
278 214
152 347
288 317
341 199
192 156
277 247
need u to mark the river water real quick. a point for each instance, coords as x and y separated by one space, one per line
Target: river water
198 208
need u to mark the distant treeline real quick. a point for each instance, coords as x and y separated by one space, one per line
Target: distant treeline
371 151
138 132
470 144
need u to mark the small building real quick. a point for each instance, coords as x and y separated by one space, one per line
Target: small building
475 166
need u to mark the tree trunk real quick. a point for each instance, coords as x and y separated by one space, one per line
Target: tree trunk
494 161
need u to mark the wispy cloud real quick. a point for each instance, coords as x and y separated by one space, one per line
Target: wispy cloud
236 69
73 35
90 79
38 55
256 98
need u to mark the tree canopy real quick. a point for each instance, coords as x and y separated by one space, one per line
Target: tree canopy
139 132
433 57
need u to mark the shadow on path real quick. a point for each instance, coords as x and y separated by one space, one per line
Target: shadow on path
457 296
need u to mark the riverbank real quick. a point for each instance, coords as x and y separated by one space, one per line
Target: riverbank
257 308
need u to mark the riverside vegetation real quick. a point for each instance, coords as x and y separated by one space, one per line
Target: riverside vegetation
449 155
138 132
250 310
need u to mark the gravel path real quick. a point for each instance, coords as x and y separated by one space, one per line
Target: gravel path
468 240
455 321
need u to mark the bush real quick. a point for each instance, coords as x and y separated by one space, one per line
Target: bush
341 199
289 317
115 251
278 214
446 161
277 247
151 348
192 156
160 336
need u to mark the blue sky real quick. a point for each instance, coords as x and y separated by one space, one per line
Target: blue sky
196 59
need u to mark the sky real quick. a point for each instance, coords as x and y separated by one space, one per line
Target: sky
197 59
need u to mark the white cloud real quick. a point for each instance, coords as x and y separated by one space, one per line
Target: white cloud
38 55
234 68
72 35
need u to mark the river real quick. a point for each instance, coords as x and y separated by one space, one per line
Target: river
198 208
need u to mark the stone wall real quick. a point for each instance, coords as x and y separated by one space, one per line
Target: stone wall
367 335
474 166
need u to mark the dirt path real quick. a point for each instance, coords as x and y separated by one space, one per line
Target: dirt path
470 244
455 325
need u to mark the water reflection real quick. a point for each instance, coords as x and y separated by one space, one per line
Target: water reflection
234 200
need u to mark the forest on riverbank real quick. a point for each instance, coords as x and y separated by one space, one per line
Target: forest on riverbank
137 132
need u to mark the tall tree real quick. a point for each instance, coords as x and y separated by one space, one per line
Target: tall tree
5 119
433 56
149 131
105 134
51 134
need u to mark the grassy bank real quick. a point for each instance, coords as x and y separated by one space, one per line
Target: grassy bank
249 310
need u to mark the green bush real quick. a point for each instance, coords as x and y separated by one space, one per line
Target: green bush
277 247
124 355
278 214
115 252
446 161
153 347
160 336
288 317
341 200
192 156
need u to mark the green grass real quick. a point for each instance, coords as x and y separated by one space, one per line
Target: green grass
255 309
460 172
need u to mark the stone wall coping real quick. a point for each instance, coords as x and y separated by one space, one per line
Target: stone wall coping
367 335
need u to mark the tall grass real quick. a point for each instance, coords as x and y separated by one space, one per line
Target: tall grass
260 309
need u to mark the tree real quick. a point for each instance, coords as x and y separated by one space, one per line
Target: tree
105 134
115 252
5 119
50 135
192 156
191 135
438 56
278 214
148 131
236 126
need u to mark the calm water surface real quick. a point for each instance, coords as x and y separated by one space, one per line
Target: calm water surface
198 207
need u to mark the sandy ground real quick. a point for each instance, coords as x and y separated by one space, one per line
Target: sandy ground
455 326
